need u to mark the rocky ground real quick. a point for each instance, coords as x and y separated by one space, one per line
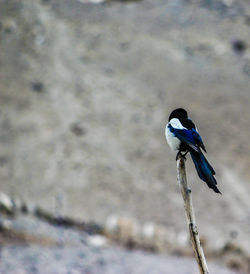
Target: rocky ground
85 92
31 245
35 241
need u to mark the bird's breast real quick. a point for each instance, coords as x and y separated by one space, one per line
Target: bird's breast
173 141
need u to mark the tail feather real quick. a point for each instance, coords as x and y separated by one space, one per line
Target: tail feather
204 170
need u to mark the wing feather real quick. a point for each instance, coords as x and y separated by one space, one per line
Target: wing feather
187 136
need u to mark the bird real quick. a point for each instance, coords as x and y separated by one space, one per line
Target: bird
183 137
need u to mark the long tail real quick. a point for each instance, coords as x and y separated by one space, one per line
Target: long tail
204 170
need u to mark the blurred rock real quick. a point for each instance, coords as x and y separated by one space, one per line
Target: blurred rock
5 225
77 129
6 204
37 87
97 240
239 46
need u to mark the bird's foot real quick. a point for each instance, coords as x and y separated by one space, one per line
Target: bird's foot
179 154
184 155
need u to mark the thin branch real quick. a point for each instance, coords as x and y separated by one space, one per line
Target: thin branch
193 231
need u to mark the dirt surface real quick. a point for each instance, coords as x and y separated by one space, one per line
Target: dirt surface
34 246
85 92
86 260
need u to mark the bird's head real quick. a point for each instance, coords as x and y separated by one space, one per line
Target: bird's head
178 113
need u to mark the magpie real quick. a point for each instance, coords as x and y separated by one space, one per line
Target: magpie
182 136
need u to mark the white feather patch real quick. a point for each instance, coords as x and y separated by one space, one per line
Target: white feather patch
173 141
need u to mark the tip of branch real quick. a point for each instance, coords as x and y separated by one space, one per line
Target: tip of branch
181 160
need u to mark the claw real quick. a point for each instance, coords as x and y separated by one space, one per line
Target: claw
184 155
181 155
178 155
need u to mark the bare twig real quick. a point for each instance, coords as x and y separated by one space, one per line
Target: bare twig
193 231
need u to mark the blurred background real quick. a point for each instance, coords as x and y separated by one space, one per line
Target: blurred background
86 88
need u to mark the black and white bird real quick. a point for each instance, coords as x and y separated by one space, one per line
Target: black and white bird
182 136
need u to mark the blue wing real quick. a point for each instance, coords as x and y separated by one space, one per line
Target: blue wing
189 136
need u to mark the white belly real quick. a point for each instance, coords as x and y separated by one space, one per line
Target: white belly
173 142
